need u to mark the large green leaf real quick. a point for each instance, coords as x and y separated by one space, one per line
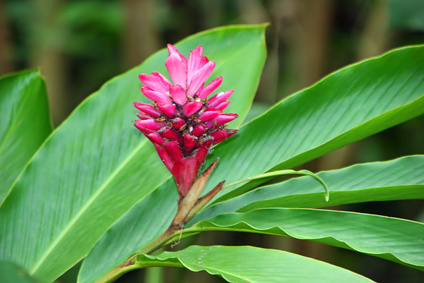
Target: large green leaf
251 264
394 239
96 165
25 123
150 218
397 179
346 106
10 273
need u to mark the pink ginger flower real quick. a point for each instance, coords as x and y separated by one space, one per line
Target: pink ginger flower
182 122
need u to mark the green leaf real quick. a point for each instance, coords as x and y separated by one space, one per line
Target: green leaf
397 179
97 165
348 105
284 172
395 239
25 123
251 264
256 110
10 273
127 235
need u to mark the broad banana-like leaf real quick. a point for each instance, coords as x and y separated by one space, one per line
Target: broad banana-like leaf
97 165
25 124
10 273
402 178
251 264
395 239
346 106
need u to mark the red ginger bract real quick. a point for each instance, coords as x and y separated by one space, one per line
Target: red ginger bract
182 123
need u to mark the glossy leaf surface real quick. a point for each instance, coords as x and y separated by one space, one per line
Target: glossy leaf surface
25 123
348 105
10 273
154 214
397 179
251 264
391 238
97 165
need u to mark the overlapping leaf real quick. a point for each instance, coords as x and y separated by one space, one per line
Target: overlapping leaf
96 165
381 236
25 123
251 264
397 179
148 220
346 106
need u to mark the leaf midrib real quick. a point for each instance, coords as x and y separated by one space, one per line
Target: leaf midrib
85 208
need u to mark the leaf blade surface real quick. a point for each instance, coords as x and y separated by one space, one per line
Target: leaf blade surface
96 165
376 235
397 179
252 264
25 123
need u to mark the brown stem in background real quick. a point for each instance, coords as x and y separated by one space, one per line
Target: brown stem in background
48 57
375 37
140 33
6 46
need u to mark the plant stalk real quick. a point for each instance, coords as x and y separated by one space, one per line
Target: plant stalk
131 264
185 206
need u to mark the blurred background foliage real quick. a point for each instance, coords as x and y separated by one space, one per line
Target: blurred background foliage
80 44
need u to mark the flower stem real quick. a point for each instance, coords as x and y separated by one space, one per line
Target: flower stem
185 206
131 264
